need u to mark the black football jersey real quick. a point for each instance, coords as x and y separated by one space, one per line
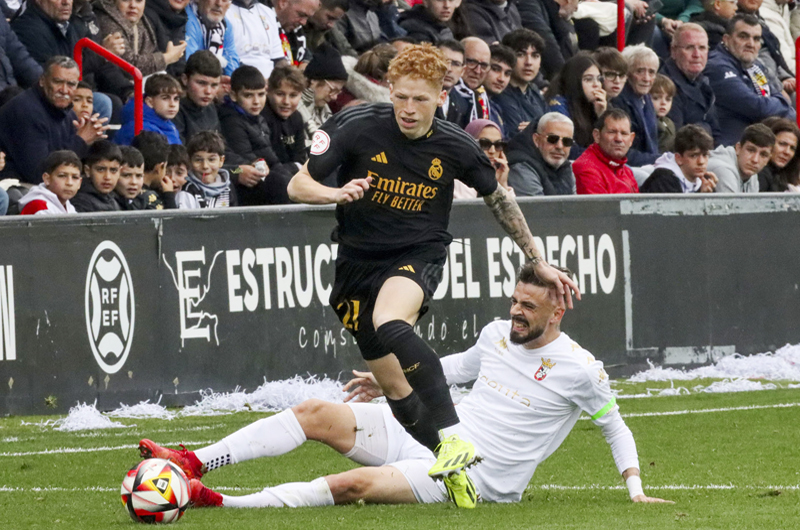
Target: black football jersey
409 200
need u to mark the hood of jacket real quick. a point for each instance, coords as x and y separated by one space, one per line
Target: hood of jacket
667 161
423 15
555 181
41 193
165 13
361 86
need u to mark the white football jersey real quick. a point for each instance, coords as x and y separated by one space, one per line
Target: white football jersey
525 402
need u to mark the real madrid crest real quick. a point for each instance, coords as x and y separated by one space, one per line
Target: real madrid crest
435 171
544 369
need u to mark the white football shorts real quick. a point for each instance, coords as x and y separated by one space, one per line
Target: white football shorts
381 440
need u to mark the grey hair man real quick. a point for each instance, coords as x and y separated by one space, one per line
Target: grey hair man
538 158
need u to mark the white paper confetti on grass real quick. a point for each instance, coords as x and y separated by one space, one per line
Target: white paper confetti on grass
784 364
735 385
143 410
81 417
272 396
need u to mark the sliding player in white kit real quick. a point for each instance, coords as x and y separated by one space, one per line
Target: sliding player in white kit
531 384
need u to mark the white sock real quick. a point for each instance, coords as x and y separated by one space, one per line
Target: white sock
292 495
271 436
447 432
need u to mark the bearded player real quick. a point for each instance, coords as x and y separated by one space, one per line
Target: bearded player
396 165
531 384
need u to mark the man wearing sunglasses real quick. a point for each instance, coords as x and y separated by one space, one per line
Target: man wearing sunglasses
538 158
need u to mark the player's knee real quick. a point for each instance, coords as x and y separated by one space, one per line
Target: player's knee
311 414
350 486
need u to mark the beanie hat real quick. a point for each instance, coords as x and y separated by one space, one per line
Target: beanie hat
326 63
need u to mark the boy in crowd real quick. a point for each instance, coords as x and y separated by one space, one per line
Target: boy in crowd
101 166
737 167
208 185
178 165
500 71
248 138
61 181
83 101
201 79
662 94
157 189
286 85
131 179
522 102
162 99
613 68
685 170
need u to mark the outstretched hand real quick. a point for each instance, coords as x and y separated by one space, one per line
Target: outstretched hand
562 284
651 500
364 387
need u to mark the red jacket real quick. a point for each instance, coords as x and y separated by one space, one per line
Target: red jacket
595 173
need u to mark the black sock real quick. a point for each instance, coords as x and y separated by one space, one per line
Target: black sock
412 414
422 369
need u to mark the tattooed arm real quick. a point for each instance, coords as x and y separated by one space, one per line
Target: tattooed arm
506 210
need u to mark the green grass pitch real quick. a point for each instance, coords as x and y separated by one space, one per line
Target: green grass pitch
733 468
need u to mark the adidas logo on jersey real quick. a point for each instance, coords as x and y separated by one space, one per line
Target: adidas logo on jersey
381 158
408 268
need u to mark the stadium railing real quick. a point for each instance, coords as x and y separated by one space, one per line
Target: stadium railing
797 68
620 25
120 63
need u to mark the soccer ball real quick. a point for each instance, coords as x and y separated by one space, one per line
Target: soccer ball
155 491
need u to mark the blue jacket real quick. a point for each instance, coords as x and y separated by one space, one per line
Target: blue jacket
644 124
738 103
694 102
17 67
515 107
30 129
195 41
150 122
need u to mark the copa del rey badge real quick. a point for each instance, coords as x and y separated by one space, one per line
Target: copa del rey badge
544 369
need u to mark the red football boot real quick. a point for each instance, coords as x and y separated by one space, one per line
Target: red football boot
202 497
185 459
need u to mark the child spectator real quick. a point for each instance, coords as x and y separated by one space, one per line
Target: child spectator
208 185
613 68
131 179
201 80
101 166
248 138
83 101
178 165
662 94
61 180
286 85
685 170
157 188
162 97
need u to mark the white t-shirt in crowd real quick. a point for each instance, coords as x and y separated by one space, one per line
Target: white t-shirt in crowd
256 35
525 402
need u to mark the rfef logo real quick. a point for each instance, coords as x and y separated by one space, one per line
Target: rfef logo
110 308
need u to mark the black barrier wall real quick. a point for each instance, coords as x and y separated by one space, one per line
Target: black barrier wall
122 308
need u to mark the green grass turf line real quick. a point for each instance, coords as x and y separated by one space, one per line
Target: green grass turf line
752 450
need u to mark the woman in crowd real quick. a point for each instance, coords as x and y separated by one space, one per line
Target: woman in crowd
125 17
367 79
578 94
326 78
782 173
635 100
489 137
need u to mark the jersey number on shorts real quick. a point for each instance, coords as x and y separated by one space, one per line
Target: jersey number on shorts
350 319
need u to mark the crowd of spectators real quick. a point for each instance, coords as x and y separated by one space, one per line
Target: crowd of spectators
702 98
